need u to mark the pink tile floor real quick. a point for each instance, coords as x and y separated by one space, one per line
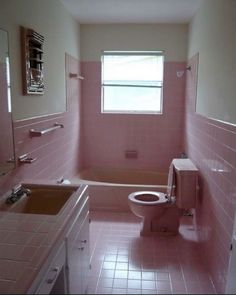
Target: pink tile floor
125 263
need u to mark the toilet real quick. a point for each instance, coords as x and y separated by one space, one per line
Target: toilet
161 212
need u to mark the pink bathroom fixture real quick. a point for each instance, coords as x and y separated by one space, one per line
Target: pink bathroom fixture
161 212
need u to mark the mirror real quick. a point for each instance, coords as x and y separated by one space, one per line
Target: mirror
7 161
214 39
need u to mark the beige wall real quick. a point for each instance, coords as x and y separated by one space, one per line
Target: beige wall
171 38
212 34
50 19
3 46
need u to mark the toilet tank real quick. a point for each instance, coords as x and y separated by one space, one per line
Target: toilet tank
186 175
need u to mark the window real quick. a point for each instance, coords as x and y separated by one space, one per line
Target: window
132 82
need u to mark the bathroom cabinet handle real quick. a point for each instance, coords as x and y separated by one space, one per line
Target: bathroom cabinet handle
83 241
81 248
55 272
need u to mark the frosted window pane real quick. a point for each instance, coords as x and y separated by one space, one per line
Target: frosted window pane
132 99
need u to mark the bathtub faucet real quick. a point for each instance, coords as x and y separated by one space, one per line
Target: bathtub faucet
16 193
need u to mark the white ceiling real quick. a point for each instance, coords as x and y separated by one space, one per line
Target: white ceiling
132 11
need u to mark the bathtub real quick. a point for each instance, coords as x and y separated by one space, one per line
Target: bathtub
109 188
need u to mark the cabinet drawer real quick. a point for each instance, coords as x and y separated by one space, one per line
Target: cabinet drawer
81 238
55 269
78 260
76 225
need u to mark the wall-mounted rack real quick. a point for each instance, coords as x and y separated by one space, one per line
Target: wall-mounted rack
45 131
76 76
32 61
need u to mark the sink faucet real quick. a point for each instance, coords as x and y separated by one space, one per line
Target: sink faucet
16 193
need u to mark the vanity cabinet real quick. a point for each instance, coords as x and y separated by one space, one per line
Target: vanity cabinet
77 247
66 269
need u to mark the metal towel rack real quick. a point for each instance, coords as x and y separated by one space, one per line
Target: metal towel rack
45 131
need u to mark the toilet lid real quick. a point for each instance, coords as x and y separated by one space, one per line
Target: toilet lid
148 198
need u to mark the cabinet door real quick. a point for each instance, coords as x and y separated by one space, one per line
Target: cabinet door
85 254
54 279
231 285
78 260
74 268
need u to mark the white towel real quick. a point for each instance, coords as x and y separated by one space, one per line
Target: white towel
171 180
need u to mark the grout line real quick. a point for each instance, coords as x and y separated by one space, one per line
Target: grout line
109 237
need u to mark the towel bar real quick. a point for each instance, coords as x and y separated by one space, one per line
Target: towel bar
42 132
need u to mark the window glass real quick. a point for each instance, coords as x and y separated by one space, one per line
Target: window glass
132 82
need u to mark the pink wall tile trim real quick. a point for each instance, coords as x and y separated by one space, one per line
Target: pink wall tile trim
211 145
156 138
58 153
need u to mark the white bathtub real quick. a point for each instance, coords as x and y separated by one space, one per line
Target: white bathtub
109 188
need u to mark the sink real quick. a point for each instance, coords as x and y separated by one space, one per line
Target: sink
41 200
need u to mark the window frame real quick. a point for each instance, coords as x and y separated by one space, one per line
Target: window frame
131 53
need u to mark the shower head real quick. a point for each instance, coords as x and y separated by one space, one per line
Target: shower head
180 74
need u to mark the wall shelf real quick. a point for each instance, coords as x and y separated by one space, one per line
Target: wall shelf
35 48
76 76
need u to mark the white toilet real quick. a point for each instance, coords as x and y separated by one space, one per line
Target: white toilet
161 212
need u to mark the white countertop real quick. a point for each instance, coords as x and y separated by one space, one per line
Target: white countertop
26 242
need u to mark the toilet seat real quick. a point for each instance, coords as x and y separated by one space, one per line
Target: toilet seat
148 198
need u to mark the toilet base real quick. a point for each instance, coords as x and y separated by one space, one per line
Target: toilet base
165 224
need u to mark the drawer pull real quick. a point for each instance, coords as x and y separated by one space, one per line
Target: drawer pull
81 248
83 241
55 271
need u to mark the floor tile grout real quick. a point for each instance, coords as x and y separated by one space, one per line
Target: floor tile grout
118 253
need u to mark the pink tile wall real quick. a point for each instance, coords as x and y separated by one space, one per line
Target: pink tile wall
212 146
58 153
157 138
